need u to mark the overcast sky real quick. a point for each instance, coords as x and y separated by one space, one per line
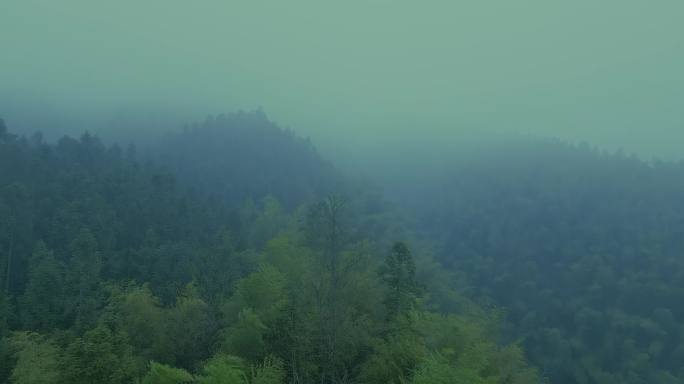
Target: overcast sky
357 74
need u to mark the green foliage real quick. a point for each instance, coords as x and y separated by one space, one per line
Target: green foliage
263 291
83 277
7 312
37 359
270 371
7 359
133 278
220 266
399 274
211 157
394 359
482 363
258 302
100 356
268 223
227 369
193 327
43 299
223 369
579 246
145 322
246 336
436 370
163 374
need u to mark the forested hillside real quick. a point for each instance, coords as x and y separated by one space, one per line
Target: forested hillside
243 156
584 249
232 252
187 267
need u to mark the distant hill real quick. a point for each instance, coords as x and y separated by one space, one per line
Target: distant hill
245 155
584 249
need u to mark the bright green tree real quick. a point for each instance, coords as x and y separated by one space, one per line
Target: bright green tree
399 274
190 328
223 369
145 322
163 374
37 359
270 371
101 356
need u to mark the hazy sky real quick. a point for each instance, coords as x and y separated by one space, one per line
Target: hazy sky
369 73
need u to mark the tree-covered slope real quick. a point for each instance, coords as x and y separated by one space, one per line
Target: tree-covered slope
584 249
113 272
243 156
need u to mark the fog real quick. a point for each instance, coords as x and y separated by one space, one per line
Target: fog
336 192
359 77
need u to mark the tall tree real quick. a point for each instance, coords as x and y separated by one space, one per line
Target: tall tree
399 274
102 356
326 233
83 275
37 359
16 223
42 304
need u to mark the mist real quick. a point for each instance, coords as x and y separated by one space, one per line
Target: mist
338 192
358 77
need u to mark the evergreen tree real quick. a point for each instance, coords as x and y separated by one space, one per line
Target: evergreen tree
83 277
43 299
399 274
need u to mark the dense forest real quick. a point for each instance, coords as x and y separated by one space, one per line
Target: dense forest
232 252
583 249
341 192
257 264
243 156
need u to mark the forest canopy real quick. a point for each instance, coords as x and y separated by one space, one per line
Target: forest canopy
115 270
448 192
233 252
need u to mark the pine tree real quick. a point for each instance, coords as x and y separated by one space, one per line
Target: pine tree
399 274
